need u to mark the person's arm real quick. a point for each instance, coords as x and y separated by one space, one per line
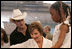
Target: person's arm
63 30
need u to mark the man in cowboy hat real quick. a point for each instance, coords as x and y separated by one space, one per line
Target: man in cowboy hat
20 34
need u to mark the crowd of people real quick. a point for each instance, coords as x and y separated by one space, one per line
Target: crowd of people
35 36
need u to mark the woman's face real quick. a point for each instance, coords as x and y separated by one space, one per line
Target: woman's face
36 35
1 35
55 15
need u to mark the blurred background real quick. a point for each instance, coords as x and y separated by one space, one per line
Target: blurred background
37 11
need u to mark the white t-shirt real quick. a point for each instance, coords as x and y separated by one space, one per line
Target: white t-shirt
31 43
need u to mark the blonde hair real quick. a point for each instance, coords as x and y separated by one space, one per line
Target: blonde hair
35 25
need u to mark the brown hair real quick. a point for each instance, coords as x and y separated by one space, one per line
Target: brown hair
36 25
5 38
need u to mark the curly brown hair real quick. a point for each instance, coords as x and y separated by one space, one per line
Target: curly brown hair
5 38
36 25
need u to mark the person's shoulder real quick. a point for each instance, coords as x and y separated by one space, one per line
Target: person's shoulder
15 46
20 45
49 41
14 30
29 40
57 26
23 44
46 39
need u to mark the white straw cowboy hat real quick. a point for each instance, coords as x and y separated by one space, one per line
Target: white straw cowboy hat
17 15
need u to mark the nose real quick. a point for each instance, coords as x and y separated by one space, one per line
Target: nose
33 36
19 22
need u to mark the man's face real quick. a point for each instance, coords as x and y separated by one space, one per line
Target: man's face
20 23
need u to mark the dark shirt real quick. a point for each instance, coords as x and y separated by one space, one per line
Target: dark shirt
17 37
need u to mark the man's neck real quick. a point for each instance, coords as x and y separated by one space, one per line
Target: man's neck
23 29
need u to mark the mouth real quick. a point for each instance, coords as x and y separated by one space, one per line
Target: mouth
21 24
36 38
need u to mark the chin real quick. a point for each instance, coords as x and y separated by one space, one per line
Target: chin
36 40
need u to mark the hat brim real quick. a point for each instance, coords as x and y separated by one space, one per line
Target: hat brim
19 17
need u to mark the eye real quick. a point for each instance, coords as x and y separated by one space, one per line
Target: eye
35 33
18 20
